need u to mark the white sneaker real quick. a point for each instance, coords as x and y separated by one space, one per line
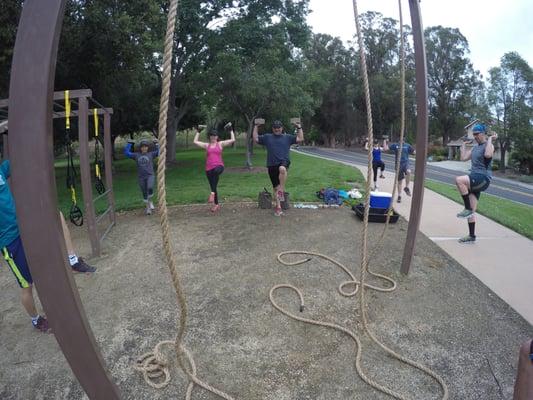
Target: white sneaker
151 205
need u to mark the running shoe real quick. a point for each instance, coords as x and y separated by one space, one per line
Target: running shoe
215 208
399 199
375 187
151 205
407 191
465 214
82 266
281 196
211 198
467 239
148 211
278 212
42 325
382 176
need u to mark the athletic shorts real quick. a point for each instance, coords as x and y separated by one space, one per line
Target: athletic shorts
404 167
273 172
14 255
478 183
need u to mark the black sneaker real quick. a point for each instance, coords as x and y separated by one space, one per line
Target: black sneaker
82 266
42 325
399 199
407 191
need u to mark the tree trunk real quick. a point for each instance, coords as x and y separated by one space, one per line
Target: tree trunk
503 151
172 124
249 145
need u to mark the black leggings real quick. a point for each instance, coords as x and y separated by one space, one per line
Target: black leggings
212 177
375 166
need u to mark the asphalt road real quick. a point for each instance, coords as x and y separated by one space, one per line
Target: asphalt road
504 188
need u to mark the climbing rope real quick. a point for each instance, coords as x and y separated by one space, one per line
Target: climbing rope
361 285
389 212
154 365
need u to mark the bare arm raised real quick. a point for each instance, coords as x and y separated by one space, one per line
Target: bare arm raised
230 141
197 142
255 133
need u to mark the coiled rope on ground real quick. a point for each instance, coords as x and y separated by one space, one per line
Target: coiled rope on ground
364 270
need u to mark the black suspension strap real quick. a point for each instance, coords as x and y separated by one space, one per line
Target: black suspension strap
98 164
75 214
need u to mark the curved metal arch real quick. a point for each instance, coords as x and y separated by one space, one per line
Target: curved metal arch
30 147
31 151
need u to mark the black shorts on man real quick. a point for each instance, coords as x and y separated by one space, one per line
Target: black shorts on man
478 183
273 172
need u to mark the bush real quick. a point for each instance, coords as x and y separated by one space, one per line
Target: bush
438 152
495 165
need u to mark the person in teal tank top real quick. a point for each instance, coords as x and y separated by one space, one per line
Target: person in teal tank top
470 186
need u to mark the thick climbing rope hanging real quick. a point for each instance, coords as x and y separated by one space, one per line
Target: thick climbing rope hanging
98 183
360 286
75 215
154 366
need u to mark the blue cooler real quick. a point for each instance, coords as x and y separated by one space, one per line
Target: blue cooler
380 199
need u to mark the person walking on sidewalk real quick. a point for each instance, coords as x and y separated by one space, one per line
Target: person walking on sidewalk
377 162
214 166
145 170
405 171
470 186
278 144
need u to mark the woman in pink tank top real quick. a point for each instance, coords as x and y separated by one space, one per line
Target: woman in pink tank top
214 166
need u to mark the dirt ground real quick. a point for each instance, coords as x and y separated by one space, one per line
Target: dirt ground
440 315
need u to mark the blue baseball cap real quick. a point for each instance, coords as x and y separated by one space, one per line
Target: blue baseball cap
479 128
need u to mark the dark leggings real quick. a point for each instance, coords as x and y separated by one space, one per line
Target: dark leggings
212 177
375 166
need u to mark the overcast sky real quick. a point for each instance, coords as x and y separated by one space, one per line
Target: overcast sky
492 28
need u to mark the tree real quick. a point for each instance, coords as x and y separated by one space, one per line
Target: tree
511 99
451 79
332 64
8 28
256 68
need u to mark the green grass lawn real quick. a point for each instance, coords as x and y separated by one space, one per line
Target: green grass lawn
515 216
187 183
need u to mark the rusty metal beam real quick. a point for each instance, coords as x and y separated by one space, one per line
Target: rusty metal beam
34 188
421 135
60 95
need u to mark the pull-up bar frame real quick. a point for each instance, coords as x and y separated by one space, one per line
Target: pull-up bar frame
30 116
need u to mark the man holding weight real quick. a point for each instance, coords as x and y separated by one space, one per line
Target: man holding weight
278 144
471 186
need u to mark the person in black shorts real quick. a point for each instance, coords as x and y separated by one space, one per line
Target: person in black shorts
12 250
278 144
470 186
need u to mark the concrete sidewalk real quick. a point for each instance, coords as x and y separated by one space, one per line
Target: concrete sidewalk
501 258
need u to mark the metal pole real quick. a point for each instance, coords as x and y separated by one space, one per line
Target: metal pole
34 188
108 160
421 135
85 174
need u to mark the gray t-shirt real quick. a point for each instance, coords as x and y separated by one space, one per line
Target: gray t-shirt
145 162
278 147
481 164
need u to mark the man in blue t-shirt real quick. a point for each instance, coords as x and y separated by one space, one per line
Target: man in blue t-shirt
405 171
470 186
278 145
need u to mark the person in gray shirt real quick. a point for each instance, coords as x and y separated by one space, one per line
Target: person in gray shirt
278 145
145 170
470 186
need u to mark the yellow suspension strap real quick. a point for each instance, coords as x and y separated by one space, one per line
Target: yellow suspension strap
99 184
75 214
